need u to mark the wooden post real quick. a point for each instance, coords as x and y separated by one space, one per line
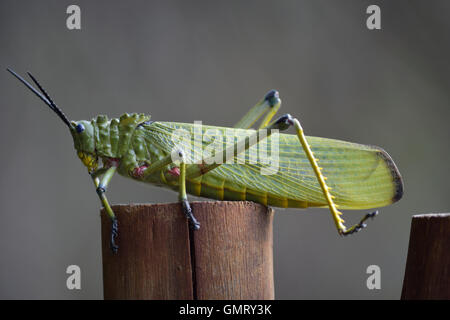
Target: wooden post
427 273
230 257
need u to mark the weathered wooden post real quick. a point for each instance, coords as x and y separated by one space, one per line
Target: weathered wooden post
427 273
230 257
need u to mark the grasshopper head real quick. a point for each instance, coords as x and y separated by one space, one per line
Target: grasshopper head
82 131
83 139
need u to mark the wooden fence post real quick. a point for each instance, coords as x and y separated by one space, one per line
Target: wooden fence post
230 257
427 273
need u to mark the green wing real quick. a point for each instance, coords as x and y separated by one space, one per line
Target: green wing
360 176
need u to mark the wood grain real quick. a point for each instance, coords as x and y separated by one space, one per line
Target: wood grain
427 273
233 251
230 257
153 261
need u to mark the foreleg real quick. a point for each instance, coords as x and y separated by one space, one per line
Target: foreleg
101 186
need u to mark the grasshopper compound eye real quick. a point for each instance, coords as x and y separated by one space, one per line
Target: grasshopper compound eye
79 128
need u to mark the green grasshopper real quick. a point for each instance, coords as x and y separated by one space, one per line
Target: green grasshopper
350 176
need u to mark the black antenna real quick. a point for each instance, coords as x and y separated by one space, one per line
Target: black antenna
44 96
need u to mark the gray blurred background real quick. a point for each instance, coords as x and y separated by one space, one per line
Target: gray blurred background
211 61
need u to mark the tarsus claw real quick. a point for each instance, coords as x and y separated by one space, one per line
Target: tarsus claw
193 223
360 225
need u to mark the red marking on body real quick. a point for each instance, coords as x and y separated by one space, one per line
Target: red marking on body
202 167
139 171
111 162
175 171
